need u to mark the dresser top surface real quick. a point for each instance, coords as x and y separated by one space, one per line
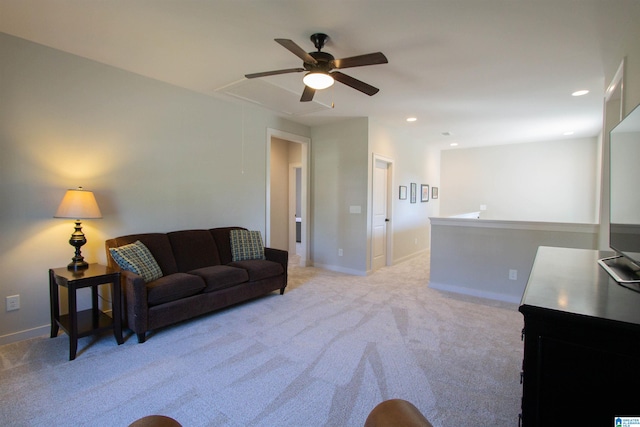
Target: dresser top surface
570 281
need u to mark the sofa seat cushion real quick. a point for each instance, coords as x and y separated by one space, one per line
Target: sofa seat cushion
221 276
173 287
259 269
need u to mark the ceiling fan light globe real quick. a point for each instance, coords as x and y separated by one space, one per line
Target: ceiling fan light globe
318 80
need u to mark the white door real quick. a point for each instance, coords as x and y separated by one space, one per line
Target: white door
380 214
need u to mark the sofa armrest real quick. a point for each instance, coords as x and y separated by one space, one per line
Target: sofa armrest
277 255
282 257
135 290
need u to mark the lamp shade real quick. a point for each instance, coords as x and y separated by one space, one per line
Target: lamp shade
78 204
318 80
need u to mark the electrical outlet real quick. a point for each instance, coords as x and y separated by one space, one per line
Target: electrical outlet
340 253
415 241
513 274
13 302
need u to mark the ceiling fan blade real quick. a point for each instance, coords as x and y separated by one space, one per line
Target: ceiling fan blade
360 60
355 83
275 72
307 94
297 50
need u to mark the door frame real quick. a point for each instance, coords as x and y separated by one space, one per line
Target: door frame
389 190
293 167
305 191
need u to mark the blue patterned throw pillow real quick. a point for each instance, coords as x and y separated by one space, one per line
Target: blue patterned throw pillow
246 245
137 258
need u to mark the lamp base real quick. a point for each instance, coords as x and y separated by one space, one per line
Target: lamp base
77 265
77 240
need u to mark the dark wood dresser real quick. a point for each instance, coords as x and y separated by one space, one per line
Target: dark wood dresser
581 342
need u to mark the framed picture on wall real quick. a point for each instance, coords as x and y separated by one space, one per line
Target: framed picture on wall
434 192
414 191
403 192
424 193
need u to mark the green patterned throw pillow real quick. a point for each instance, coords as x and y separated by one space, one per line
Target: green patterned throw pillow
246 245
137 258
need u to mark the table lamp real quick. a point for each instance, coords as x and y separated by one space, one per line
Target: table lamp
78 204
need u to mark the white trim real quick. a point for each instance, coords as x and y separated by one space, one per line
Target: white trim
306 188
340 269
292 225
424 252
475 292
39 331
389 242
617 81
516 225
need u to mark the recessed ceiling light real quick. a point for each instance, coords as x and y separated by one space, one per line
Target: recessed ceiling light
454 144
567 133
411 119
580 92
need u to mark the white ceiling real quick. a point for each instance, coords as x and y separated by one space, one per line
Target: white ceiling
486 71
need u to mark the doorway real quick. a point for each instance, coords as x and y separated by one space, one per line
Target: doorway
381 213
287 203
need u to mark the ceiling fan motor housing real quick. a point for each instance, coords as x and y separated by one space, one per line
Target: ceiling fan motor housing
324 62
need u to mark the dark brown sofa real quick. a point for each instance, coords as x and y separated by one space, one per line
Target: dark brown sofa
198 276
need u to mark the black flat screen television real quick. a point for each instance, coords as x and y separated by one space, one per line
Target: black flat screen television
624 228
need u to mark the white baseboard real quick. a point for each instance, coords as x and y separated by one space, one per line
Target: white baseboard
44 330
424 252
25 335
475 292
339 269
351 271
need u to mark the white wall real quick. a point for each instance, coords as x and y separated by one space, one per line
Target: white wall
157 157
413 161
554 181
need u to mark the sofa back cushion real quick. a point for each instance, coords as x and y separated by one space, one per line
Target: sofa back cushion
222 236
157 243
193 249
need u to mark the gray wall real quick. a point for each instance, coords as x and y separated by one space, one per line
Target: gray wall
339 179
157 157
475 256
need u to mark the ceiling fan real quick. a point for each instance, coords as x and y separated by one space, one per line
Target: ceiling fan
320 65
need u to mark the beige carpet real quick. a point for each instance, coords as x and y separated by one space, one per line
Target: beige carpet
324 354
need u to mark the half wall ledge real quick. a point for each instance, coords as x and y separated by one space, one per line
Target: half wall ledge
493 258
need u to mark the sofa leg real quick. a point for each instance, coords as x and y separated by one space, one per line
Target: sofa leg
282 291
141 337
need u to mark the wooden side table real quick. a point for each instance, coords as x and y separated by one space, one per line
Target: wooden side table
87 322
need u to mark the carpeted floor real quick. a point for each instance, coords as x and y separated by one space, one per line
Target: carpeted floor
324 354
